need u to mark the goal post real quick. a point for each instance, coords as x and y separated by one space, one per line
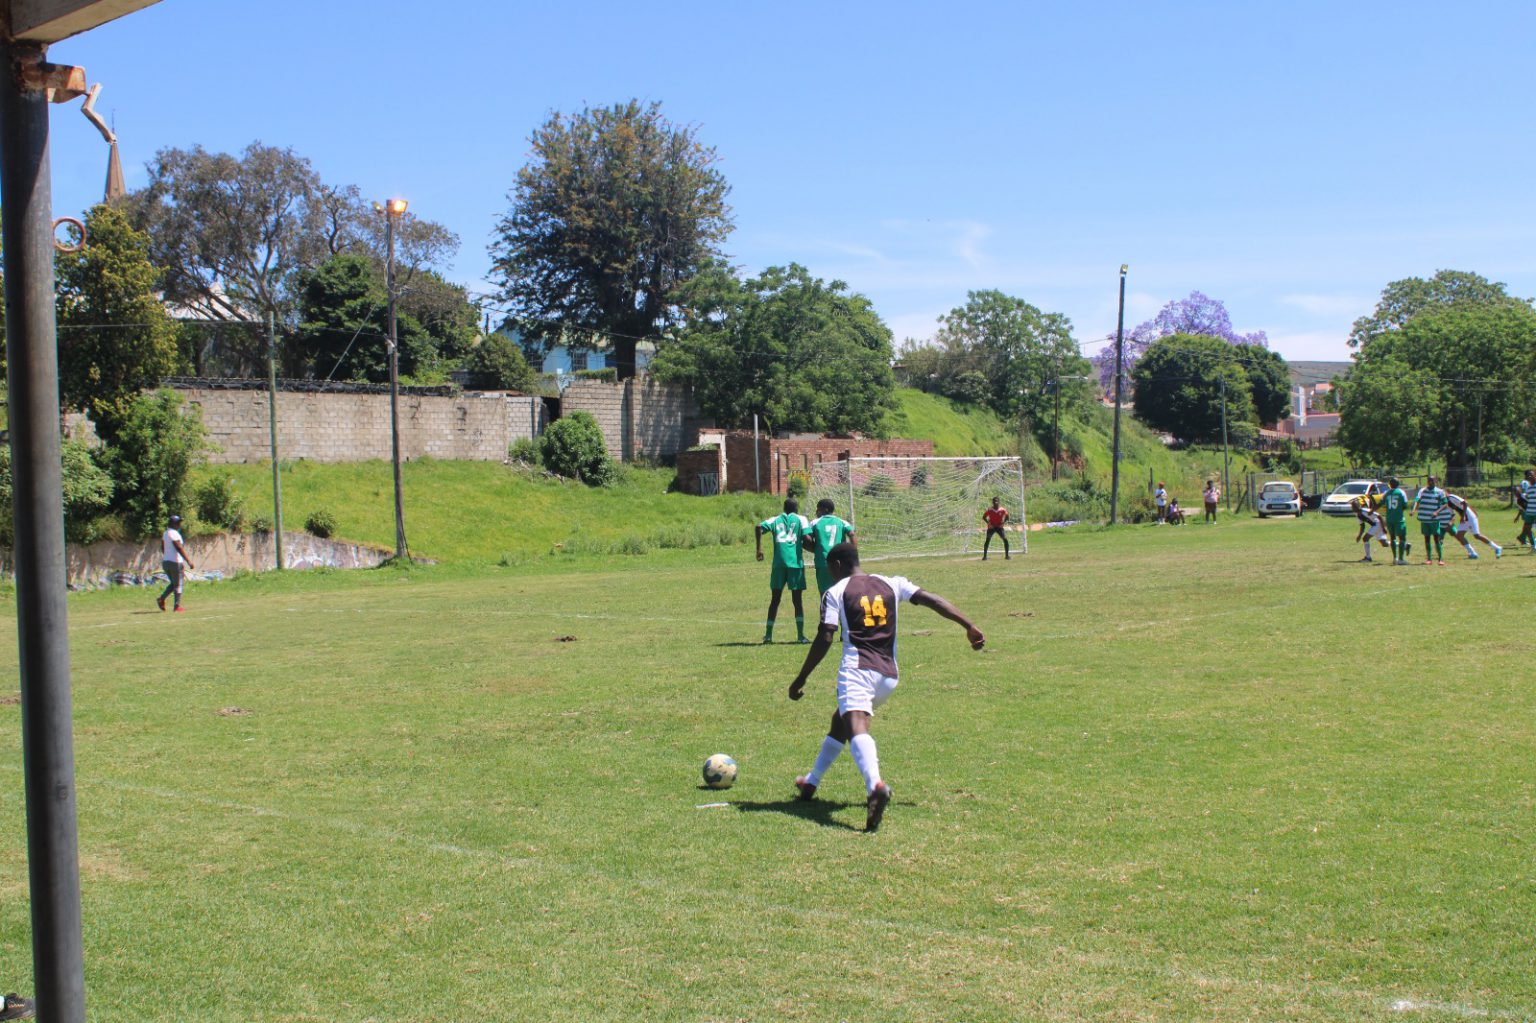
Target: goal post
911 507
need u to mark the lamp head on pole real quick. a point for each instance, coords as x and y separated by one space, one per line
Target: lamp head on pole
395 207
1123 268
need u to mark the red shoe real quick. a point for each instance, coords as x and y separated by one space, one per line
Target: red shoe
804 789
161 602
876 806
179 609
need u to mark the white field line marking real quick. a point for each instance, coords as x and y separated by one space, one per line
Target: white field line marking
836 917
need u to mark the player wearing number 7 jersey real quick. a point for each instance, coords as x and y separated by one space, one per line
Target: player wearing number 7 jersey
864 607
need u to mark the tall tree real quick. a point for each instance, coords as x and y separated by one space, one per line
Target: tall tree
1402 300
234 232
1198 314
1388 412
1471 365
617 209
1181 382
1010 352
115 337
803 352
343 324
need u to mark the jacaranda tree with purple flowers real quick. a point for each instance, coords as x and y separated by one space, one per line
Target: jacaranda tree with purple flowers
1199 315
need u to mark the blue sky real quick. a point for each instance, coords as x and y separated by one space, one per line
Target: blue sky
1288 159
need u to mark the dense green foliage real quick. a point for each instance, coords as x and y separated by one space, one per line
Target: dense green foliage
343 327
1002 352
151 459
115 337
616 210
1402 300
1453 380
1183 382
217 502
87 493
481 784
498 363
804 353
573 447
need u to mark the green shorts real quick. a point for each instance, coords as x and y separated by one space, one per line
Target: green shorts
1431 529
824 579
1397 527
784 576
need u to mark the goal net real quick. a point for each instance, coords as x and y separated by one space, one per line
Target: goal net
905 507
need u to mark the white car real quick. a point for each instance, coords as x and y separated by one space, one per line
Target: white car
1337 503
1279 497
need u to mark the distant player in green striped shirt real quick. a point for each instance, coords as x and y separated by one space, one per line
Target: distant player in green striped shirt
1428 504
789 532
827 531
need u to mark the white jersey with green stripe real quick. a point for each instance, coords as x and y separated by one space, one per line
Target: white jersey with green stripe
1429 502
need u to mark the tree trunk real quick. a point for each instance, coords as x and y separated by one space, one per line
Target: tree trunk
624 357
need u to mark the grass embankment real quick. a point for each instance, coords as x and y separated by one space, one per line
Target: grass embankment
486 511
1167 791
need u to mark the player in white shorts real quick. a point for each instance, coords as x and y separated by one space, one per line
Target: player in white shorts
1371 527
864 607
1467 528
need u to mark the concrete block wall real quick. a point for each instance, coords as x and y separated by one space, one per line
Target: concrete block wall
331 427
640 418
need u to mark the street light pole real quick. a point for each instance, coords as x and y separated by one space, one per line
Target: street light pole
1114 484
393 209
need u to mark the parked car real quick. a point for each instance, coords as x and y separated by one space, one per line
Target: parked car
1279 497
1337 503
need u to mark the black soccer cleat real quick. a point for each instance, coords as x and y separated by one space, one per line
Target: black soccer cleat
804 790
876 805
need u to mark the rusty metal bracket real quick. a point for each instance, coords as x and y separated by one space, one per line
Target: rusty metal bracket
78 225
62 82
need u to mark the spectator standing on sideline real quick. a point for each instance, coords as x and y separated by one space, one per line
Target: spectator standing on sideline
1160 498
1212 498
1522 499
995 517
173 556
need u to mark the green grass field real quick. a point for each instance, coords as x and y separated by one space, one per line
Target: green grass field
1198 774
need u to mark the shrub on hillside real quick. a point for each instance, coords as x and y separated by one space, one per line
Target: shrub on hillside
573 446
320 523
879 486
524 449
799 485
218 502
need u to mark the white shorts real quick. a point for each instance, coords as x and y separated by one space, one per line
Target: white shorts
862 689
1469 526
1376 532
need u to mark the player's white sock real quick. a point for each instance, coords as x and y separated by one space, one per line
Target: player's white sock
863 749
831 749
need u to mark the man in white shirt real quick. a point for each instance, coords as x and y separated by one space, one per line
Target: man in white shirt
864 607
173 556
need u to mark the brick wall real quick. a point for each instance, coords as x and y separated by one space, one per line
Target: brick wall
777 458
640 418
329 427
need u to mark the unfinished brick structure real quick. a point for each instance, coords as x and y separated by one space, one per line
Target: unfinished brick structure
733 468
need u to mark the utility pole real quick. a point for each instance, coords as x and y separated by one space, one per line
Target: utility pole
277 481
1226 464
1056 446
393 209
1114 478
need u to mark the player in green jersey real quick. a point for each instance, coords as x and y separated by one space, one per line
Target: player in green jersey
789 531
827 531
1394 511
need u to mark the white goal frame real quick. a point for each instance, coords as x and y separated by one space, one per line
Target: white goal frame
979 477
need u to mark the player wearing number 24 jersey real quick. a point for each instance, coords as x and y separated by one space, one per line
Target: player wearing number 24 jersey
864 607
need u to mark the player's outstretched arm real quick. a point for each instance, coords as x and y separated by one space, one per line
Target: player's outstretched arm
759 539
923 598
819 647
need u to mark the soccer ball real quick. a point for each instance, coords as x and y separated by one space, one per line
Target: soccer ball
719 771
